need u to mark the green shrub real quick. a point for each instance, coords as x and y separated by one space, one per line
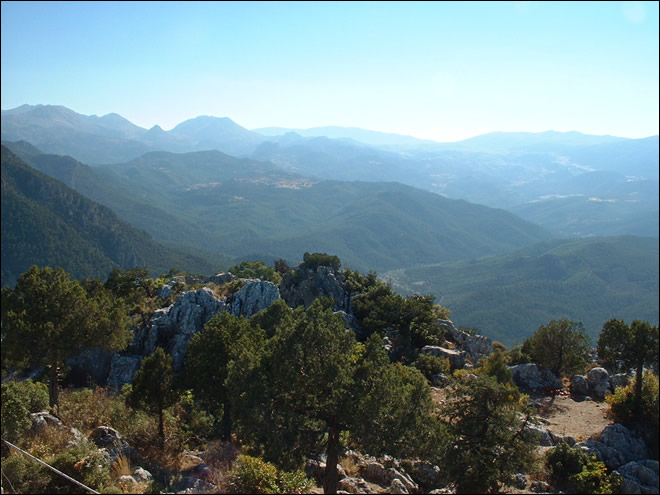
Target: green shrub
256 269
432 365
84 463
24 475
19 399
643 414
314 260
576 471
253 475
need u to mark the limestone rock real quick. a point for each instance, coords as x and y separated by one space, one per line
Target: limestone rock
254 296
579 385
109 439
616 446
43 420
533 377
599 383
538 434
639 477
126 483
456 358
142 475
173 327
303 286
474 346
122 369
397 487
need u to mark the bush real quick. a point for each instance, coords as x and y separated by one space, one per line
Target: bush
314 260
256 269
19 399
625 409
84 463
574 470
25 475
432 365
253 475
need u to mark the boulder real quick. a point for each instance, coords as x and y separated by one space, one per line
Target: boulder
354 485
254 296
616 446
109 439
456 358
599 383
127 483
397 487
222 278
639 477
142 475
43 420
538 434
579 385
533 377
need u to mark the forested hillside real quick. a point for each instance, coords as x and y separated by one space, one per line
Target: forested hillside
46 223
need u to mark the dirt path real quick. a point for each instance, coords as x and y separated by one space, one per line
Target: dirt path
579 419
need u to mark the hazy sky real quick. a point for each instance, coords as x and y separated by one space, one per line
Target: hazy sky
443 71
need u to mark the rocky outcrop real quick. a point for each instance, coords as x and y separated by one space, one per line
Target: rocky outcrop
173 327
618 380
456 358
533 377
91 365
109 439
639 477
474 346
254 296
122 369
302 286
616 446
43 420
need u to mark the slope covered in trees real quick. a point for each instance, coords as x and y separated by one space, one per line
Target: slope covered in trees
46 223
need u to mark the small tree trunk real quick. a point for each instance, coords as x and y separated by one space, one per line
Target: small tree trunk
330 480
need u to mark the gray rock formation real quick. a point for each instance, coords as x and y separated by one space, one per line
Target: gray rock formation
474 346
173 327
639 477
616 446
599 383
579 385
122 369
109 439
303 286
456 358
532 377
43 420
254 296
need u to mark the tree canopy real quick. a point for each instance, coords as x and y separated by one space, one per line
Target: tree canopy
561 346
48 318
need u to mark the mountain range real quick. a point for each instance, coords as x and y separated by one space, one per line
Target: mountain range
471 222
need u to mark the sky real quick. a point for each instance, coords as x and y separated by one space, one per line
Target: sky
434 70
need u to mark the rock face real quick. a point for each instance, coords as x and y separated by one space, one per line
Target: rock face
91 365
304 286
254 296
109 439
173 327
639 477
616 446
456 358
532 377
474 346
122 369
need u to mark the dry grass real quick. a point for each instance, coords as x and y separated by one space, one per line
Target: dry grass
121 467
